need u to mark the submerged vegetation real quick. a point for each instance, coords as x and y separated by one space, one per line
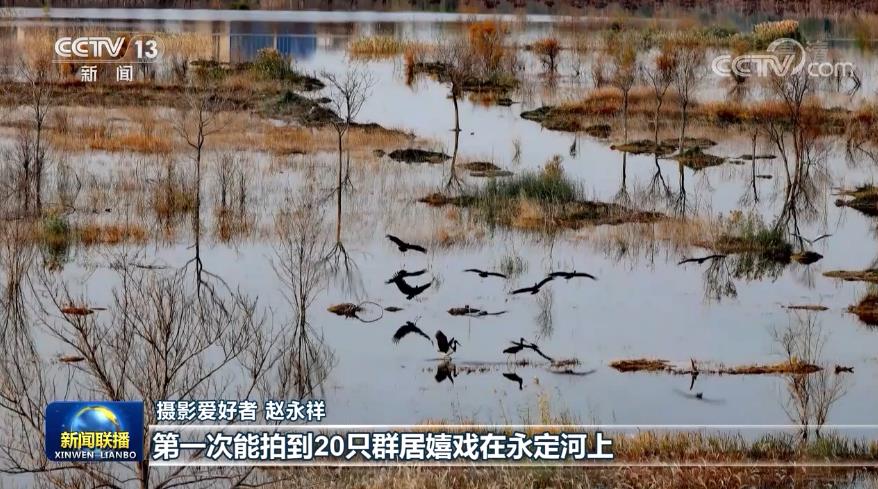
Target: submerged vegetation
748 234
546 200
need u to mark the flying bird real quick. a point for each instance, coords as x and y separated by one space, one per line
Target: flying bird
569 275
403 246
445 345
702 259
534 288
693 373
411 291
404 274
521 344
515 378
409 327
484 273
811 241
539 352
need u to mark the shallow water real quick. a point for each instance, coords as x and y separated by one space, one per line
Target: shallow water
644 304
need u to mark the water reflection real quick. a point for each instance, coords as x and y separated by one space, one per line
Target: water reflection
301 252
445 370
810 397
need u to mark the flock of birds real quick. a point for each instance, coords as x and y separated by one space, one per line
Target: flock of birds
448 346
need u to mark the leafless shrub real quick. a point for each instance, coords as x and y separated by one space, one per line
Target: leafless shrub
232 179
156 341
810 396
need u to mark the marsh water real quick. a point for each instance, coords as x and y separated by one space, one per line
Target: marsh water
643 305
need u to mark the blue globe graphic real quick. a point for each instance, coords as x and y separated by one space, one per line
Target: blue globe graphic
95 419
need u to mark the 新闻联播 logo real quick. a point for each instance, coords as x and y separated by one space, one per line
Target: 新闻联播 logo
94 431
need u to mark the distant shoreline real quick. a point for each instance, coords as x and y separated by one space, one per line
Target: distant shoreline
536 11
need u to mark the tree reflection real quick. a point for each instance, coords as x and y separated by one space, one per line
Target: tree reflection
300 266
809 396
157 340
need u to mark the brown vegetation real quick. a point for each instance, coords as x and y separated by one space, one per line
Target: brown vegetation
870 275
656 365
867 309
863 199
704 477
111 234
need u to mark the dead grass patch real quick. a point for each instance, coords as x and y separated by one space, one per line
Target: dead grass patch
111 234
870 275
640 365
658 365
289 140
867 309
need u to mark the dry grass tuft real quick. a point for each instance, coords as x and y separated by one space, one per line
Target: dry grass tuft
867 309
111 234
640 365
378 47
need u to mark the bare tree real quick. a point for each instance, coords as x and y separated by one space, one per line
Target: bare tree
622 49
347 93
199 119
156 341
660 74
30 156
458 63
811 396
687 77
232 179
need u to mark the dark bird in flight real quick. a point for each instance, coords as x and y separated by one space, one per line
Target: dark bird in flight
404 274
403 246
569 275
535 288
410 291
445 345
811 241
409 327
445 370
693 373
521 344
515 378
484 273
701 260
539 352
